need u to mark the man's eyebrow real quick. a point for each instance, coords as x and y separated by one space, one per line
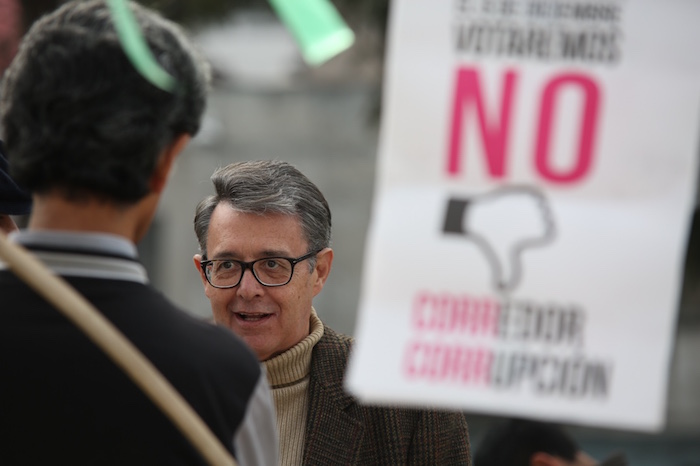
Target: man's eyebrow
275 253
223 255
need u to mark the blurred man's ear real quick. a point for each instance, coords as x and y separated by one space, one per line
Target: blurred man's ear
166 161
7 225
197 259
324 261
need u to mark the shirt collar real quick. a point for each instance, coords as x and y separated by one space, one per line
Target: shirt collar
98 243
92 255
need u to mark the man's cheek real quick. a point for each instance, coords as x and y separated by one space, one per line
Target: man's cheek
210 293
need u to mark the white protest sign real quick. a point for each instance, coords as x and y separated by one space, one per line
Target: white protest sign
536 176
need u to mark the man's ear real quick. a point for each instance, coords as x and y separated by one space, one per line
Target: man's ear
197 259
324 261
7 225
544 459
164 165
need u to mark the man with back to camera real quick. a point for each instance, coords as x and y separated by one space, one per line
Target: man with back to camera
269 220
95 143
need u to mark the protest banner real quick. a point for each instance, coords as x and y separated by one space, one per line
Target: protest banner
536 178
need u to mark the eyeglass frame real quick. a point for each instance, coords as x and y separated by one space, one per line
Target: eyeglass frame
249 265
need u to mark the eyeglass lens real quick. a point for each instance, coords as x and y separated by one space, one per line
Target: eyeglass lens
269 271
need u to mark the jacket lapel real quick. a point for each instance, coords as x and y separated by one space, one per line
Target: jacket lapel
334 432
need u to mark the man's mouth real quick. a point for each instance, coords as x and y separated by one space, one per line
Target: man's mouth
252 317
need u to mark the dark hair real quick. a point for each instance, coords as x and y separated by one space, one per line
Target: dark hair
513 442
267 186
77 116
13 199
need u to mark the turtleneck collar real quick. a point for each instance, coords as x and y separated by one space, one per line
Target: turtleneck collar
294 364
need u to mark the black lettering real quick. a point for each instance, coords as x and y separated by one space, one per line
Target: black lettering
573 44
576 327
614 51
504 320
517 367
498 371
547 382
600 375
575 384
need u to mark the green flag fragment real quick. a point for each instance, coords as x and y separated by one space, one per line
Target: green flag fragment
136 48
317 27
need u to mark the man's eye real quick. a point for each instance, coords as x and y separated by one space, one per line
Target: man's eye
223 266
272 264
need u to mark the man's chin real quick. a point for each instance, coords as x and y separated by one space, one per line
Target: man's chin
259 346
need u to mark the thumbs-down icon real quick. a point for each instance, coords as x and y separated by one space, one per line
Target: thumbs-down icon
502 224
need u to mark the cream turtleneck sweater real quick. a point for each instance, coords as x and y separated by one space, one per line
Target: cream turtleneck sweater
288 374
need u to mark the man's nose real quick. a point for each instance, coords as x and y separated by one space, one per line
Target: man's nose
249 286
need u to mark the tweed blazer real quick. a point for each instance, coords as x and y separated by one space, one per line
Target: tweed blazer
340 431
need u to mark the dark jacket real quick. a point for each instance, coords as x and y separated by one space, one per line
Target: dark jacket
62 401
340 431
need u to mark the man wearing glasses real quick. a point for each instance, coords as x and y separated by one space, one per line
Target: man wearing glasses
264 242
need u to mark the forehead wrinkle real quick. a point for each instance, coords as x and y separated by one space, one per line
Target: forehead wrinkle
227 254
234 234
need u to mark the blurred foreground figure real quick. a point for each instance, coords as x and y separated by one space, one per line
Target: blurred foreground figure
521 442
95 143
264 240
13 200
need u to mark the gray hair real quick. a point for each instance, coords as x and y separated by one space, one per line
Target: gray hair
263 187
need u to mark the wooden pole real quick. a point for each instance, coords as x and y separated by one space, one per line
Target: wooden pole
124 354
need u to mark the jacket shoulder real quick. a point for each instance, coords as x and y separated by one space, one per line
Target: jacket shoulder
330 357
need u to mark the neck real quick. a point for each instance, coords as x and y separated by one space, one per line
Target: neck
54 212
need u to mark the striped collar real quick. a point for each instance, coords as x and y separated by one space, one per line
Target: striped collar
94 255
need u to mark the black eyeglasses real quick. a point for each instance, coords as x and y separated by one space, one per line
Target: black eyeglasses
268 271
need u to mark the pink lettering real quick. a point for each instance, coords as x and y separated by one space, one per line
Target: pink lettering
494 137
588 128
436 362
482 366
409 360
418 308
447 313
494 128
